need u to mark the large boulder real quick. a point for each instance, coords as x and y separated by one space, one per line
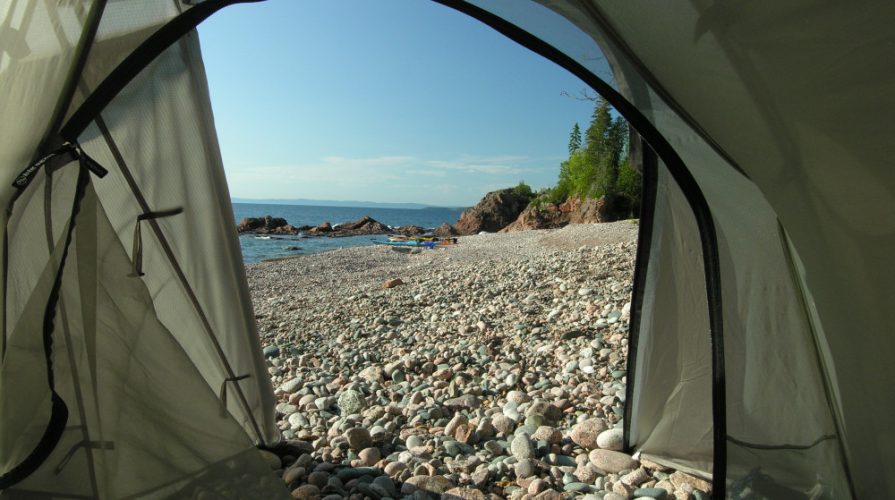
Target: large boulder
324 228
364 225
263 225
494 212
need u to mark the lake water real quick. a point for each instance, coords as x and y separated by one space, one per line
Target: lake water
256 249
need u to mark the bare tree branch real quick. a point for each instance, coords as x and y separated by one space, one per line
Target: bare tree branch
583 95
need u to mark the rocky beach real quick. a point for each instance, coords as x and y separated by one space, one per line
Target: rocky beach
494 368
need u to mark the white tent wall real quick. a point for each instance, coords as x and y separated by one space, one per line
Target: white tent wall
128 435
159 132
125 24
797 95
139 362
672 404
34 64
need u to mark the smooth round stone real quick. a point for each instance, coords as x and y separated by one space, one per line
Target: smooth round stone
369 456
503 423
386 484
521 447
534 421
612 439
537 486
561 460
452 449
548 434
306 491
359 438
585 434
524 468
298 421
568 478
526 429
271 351
346 475
493 447
395 468
293 474
518 397
431 484
377 432
576 487
291 386
650 493
612 461
318 479
415 441
324 402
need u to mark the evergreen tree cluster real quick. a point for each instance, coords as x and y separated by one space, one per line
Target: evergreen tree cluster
598 163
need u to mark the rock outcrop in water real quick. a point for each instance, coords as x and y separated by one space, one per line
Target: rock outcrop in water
265 225
366 225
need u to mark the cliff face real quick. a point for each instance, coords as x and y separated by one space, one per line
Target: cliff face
497 210
571 211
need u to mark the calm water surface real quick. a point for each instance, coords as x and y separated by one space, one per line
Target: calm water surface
256 249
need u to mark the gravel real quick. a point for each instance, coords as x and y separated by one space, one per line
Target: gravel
490 367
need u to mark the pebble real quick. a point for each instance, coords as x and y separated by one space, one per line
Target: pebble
525 468
307 491
430 484
612 439
659 493
612 461
350 402
359 438
369 456
291 385
585 434
521 447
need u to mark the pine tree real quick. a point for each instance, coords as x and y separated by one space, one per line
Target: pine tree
575 140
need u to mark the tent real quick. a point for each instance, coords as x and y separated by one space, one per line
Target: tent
761 349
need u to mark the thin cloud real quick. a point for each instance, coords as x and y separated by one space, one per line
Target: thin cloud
376 161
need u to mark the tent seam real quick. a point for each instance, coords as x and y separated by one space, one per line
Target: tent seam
178 271
641 264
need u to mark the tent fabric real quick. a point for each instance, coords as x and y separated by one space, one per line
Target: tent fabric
140 362
761 353
693 71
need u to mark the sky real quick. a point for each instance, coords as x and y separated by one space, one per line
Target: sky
395 101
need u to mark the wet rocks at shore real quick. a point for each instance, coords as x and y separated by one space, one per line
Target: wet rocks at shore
364 226
497 369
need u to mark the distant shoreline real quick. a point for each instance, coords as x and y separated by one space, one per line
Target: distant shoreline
338 203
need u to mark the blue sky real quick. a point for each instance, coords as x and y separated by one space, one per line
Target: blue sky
392 101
